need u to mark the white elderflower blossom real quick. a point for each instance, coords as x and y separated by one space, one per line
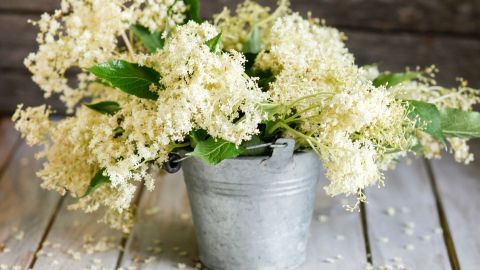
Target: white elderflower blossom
84 33
209 91
236 30
425 89
348 119
159 15
33 123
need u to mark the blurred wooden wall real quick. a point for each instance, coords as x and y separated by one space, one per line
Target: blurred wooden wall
391 33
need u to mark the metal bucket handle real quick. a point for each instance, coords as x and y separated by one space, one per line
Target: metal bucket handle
282 155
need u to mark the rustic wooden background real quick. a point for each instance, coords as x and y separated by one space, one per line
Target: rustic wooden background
391 33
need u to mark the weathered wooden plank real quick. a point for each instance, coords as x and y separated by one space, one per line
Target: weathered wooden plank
19 39
18 88
77 241
30 5
163 237
418 15
403 223
8 140
459 189
336 237
454 57
25 208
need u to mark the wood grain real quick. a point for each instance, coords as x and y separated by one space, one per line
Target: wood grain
18 88
75 233
403 222
455 57
456 16
19 39
25 208
336 238
8 141
459 189
163 236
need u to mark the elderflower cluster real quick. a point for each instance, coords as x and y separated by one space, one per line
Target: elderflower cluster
348 119
236 29
84 33
427 90
209 91
160 15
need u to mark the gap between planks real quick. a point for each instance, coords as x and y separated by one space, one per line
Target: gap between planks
124 241
47 230
447 236
366 237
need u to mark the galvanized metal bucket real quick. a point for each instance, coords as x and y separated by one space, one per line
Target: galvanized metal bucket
253 213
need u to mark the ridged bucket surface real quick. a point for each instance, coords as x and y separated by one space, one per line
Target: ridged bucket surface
253 213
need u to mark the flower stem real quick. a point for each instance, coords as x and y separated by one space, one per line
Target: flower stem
128 44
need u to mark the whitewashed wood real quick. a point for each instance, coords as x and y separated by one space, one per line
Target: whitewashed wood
336 237
459 189
67 237
163 221
407 187
8 140
25 209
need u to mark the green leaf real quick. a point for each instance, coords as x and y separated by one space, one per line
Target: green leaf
214 42
214 151
97 181
151 41
392 79
193 13
253 45
427 118
105 107
462 124
128 77
197 136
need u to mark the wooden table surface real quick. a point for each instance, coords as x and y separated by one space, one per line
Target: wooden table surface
427 217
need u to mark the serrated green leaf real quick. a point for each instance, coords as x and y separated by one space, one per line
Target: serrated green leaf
462 124
427 117
128 77
214 42
97 181
151 41
253 45
392 79
215 151
105 107
193 12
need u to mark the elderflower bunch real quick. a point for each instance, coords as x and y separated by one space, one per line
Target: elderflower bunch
154 80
